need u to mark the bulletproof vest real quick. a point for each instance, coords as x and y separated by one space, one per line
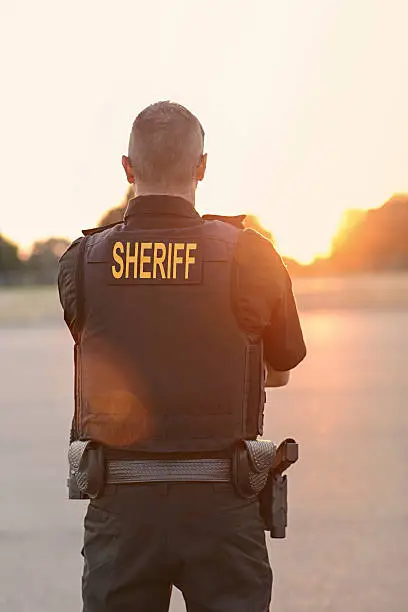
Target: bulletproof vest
161 363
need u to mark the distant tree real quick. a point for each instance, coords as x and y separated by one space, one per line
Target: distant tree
373 240
42 265
10 263
9 259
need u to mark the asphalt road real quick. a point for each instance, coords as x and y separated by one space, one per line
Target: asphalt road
347 544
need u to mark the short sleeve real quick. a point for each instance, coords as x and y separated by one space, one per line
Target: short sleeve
263 300
67 286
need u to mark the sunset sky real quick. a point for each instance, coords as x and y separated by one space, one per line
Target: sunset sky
304 104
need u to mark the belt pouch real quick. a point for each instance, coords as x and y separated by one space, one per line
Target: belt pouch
251 463
87 470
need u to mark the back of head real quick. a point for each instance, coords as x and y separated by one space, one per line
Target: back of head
166 146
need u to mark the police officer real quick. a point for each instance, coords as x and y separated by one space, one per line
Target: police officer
174 319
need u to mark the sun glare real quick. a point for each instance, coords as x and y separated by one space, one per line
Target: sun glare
303 239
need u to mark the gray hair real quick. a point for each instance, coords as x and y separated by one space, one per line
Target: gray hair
166 145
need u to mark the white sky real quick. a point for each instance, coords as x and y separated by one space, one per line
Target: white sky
304 103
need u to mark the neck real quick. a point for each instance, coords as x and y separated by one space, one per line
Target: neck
187 193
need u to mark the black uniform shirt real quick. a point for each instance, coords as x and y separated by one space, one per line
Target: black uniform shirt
262 294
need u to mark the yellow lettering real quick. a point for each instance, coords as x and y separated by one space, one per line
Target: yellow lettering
191 246
158 260
117 273
144 259
169 260
131 259
178 246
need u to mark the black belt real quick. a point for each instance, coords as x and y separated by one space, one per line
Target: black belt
165 470
132 470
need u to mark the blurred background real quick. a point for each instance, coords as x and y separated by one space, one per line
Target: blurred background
304 108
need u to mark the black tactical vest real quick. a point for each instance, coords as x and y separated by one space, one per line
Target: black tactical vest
161 364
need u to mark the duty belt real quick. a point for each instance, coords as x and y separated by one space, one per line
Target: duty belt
91 468
88 467
255 469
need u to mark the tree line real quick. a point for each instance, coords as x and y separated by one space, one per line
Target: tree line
40 268
368 241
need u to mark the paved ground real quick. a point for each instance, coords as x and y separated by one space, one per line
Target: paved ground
347 545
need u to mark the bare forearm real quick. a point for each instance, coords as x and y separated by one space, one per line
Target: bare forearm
273 378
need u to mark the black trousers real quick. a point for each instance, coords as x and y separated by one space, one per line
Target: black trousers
142 539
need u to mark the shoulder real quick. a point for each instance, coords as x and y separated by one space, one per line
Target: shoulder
258 253
259 270
67 269
71 254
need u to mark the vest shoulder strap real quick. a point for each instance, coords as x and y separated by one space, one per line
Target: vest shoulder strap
102 228
235 220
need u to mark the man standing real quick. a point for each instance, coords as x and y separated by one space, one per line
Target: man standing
174 319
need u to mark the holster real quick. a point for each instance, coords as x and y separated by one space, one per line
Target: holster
273 505
273 499
251 463
86 470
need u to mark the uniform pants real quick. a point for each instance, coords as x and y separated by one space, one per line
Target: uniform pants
142 539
